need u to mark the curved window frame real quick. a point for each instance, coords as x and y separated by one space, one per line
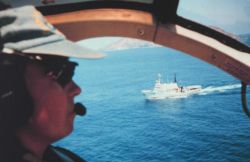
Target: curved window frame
155 23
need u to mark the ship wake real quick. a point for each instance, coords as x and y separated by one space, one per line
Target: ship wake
216 89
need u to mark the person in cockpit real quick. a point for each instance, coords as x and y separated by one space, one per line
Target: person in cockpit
37 92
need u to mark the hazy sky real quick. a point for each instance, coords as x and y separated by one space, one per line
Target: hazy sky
231 15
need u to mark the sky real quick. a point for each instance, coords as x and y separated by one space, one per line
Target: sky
232 16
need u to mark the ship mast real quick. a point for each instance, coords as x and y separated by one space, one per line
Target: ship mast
175 80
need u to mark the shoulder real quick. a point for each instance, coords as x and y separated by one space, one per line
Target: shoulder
66 154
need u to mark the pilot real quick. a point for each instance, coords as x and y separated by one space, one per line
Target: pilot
37 92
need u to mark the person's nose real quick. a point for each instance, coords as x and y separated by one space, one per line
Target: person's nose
74 89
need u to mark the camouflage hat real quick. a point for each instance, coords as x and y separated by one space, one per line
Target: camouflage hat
25 30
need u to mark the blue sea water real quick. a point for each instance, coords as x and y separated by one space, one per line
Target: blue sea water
121 126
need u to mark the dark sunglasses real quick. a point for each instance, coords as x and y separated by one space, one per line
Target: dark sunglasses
57 67
61 70
62 73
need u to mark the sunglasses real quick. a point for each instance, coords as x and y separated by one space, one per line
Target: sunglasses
58 68
62 73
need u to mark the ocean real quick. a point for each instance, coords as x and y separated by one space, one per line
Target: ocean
121 126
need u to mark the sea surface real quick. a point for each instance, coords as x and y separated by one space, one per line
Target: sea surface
121 126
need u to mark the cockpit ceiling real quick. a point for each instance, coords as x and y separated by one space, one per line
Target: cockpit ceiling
59 2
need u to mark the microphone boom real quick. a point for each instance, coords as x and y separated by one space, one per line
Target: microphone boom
80 109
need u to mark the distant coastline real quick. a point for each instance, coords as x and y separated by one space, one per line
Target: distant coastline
129 43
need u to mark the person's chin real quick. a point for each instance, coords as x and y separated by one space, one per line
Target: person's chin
66 132
70 128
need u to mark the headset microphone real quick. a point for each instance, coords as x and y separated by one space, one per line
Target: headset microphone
80 109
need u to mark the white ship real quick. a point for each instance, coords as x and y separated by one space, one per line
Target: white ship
170 90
